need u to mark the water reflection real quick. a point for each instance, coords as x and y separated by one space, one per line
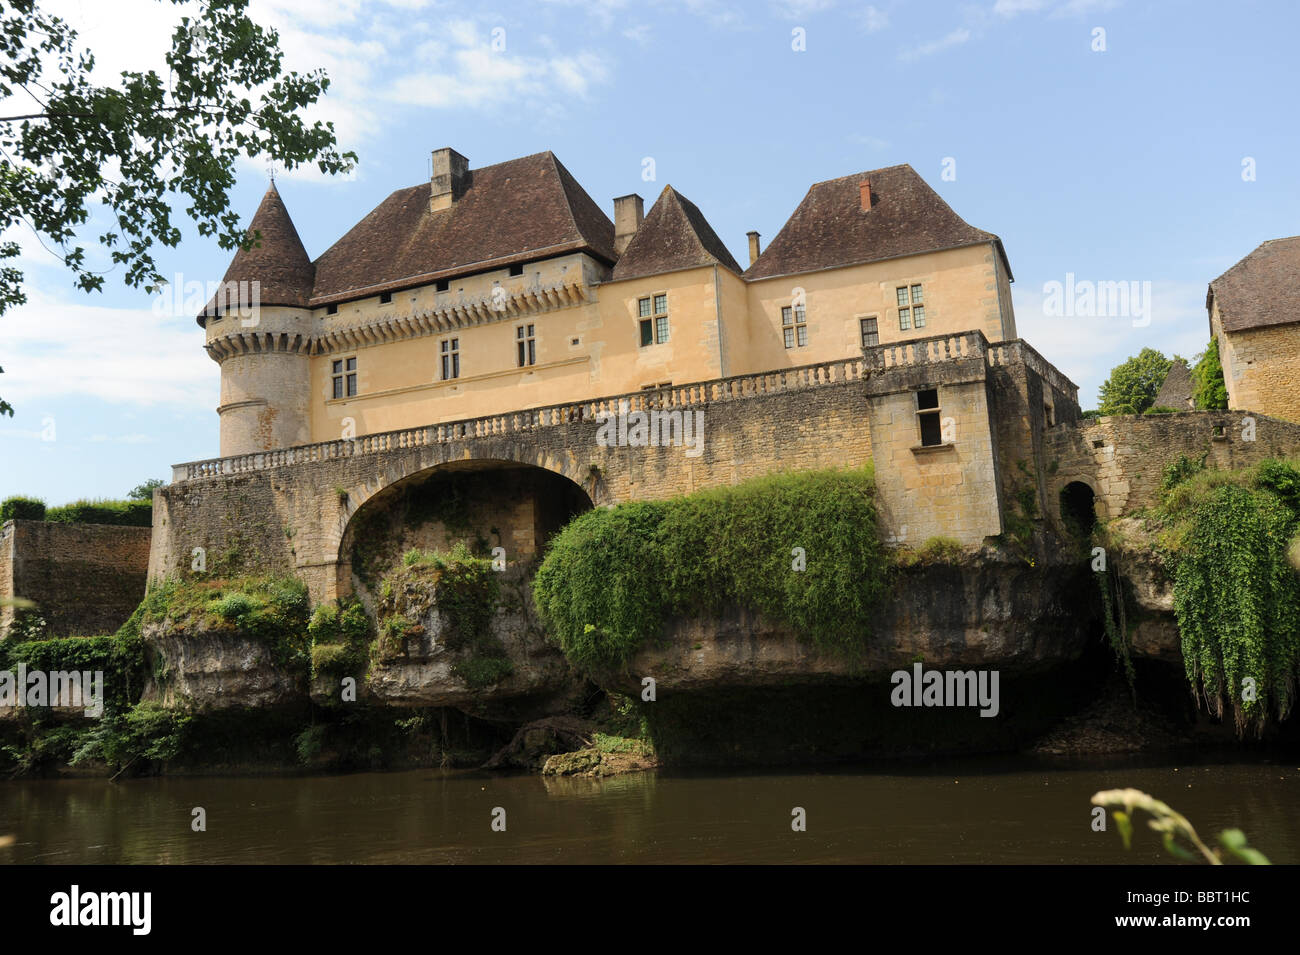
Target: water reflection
965 812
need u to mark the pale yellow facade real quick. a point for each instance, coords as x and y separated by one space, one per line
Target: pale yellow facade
581 333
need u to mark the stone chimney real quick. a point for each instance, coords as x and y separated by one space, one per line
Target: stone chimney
753 247
450 178
628 212
864 194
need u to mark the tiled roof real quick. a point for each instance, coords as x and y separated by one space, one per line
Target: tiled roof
674 235
1178 388
829 228
1262 289
278 262
511 212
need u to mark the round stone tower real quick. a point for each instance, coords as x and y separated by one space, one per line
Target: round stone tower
259 329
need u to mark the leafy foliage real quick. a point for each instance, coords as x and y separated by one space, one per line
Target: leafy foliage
1209 390
70 144
466 590
614 576
339 635
1172 827
19 508
1133 385
1236 593
144 492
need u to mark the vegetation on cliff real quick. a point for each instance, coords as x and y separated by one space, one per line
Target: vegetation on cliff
465 590
1227 538
802 549
271 610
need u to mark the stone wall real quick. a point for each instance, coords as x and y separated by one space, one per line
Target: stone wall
1261 368
1122 458
289 511
86 579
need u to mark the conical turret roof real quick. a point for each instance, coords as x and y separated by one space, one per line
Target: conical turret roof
277 262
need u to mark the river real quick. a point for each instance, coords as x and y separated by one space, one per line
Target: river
966 811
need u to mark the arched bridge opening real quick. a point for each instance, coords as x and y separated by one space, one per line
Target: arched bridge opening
483 504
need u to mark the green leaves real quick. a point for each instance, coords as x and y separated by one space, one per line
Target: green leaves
1132 386
71 144
1236 594
613 577
1234 841
1210 392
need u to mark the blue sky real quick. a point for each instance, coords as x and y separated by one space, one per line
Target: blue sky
1122 164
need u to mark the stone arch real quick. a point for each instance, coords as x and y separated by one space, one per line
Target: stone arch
1078 505
504 502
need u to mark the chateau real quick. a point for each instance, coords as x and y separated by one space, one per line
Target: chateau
506 287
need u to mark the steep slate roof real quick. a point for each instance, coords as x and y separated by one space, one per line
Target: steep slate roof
673 236
1262 289
278 261
511 212
1178 388
829 229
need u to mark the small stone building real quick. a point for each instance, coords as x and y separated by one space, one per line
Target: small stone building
1254 311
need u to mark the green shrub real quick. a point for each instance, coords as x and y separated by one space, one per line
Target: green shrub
339 636
1209 390
1178 471
128 513
272 610
1161 409
22 509
612 577
1236 594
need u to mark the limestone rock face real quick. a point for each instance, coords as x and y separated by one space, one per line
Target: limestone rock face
1154 630
430 673
985 612
215 669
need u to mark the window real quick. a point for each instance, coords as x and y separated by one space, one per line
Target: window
517 269
911 313
794 326
442 285
331 310
927 413
870 332
344 375
526 344
385 298
450 348
653 324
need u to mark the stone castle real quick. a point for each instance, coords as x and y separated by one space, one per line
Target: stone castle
470 339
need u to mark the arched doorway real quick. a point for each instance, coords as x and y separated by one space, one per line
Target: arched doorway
1078 508
483 504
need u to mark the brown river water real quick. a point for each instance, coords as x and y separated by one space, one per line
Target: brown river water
969 811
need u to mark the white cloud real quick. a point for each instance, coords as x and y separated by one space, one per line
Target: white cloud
872 18
1012 8
799 9
639 34
56 348
1085 349
955 38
